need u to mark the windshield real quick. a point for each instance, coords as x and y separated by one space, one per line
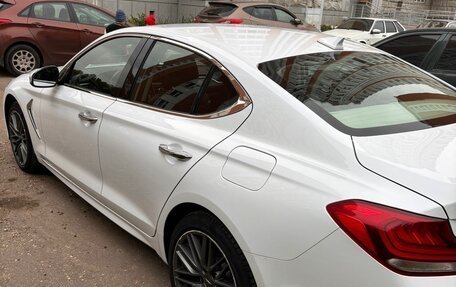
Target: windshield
218 9
364 93
357 24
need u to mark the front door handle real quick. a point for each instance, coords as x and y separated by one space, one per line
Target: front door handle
179 154
87 116
87 31
38 24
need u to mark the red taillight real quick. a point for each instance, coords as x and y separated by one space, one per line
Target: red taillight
4 21
231 21
405 242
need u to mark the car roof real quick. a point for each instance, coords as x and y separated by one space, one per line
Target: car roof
367 18
251 44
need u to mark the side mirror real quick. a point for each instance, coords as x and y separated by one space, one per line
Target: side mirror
376 31
46 77
296 21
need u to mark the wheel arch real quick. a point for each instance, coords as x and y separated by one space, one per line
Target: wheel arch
174 216
28 43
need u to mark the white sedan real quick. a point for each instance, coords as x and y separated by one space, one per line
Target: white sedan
253 156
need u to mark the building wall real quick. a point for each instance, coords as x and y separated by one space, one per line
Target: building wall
444 5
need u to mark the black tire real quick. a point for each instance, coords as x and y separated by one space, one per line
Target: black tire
204 231
21 143
21 59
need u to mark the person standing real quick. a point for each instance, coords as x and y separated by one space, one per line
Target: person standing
150 20
121 21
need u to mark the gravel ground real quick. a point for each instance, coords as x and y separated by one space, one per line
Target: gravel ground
49 236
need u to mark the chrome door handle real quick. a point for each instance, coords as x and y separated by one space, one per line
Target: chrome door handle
179 154
87 116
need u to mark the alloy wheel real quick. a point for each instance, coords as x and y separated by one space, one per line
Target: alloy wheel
18 137
198 261
23 61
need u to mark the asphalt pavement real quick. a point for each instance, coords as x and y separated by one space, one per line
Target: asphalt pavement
49 236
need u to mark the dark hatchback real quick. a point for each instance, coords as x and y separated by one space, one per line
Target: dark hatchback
44 32
433 50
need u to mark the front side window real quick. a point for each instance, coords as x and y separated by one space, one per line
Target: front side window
357 24
283 16
447 59
412 49
364 93
380 26
179 80
91 16
265 13
51 11
100 69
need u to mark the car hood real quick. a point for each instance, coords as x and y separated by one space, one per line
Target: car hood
424 161
351 34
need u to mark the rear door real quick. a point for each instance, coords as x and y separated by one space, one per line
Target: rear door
91 22
54 30
180 106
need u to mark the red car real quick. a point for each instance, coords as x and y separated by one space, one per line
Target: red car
43 32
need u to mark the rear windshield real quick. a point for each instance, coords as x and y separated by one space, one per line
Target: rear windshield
363 93
218 10
357 24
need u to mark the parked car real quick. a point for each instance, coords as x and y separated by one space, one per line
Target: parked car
437 23
433 50
301 160
253 13
43 32
367 30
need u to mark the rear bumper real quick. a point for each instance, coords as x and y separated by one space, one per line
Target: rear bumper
335 261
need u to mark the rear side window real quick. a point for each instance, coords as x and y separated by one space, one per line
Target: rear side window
363 93
398 26
179 80
218 9
447 60
4 6
412 49
265 13
51 11
390 27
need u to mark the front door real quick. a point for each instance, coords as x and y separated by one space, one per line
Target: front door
72 113
91 22
180 107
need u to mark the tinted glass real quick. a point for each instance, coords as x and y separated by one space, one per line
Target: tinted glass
390 27
218 9
51 11
379 25
283 16
263 13
171 78
398 27
248 10
4 6
100 69
447 60
25 12
357 24
365 93
412 49
91 16
219 94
